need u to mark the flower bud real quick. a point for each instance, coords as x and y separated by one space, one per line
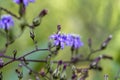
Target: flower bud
60 62
63 75
42 73
1 62
105 43
74 76
56 74
43 13
36 21
32 35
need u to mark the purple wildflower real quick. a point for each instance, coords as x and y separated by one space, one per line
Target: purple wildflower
6 22
25 2
76 42
59 39
66 39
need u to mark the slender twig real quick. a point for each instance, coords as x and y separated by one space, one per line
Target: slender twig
92 52
33 52
34 60
28 67
10 13
8 62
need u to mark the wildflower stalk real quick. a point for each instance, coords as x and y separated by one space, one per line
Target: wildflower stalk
9 12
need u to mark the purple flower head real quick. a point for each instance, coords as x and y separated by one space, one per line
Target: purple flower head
73 40
59 39
25 2
66 39
6 22
76 43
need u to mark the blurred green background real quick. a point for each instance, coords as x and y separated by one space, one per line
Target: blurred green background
95 19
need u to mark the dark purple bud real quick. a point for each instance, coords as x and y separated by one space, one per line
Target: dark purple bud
43 13
60 62
58 27
105 43
42 73
74 76
1 62
95 62
64 66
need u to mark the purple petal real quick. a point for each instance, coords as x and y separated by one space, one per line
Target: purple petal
32 1
25 2
6 21
16 1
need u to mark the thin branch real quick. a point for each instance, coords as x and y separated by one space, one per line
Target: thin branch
33 52
92 52
10 13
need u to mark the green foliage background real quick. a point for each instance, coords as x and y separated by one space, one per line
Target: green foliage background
89 18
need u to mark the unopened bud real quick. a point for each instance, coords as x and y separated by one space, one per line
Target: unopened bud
60 62
42 73
43 13
74 76
1 62
64 66
32 35
105 43
59 27
95 62
63 75
56 74
36 21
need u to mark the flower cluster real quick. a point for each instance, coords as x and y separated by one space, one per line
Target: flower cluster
25 2
6 22
66 39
